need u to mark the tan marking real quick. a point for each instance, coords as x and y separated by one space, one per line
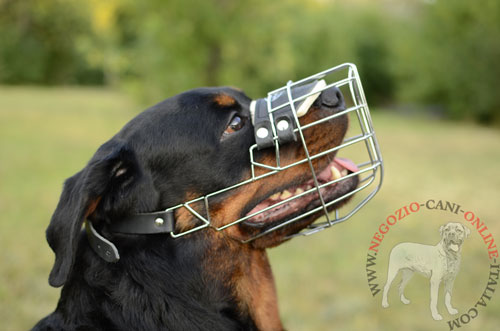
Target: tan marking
224 100
255 289
184 219
92 207
246 271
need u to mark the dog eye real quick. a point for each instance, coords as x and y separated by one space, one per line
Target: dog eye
236 124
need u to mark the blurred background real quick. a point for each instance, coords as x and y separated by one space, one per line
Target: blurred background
431 54
74 72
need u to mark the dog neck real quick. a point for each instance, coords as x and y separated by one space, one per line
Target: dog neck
256 289
448 251
252 282
216 285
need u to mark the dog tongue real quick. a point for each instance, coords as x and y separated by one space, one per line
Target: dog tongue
346 163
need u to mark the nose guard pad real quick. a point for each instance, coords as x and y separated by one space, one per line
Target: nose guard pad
277 108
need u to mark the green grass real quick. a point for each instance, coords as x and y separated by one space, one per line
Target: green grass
46 135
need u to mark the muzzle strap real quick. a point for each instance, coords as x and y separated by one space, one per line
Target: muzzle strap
146 223
277 108
101 246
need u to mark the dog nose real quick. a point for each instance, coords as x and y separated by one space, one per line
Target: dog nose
332 98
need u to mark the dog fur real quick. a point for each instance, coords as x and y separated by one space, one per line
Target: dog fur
177 150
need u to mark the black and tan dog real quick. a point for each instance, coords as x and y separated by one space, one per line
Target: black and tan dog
186 146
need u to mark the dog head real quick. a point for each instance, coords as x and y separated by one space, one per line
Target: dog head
453 235
188 146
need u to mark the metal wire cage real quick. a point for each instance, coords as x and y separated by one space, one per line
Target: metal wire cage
360 144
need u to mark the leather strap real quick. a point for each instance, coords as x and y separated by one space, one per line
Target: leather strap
102 246
283 118
147 223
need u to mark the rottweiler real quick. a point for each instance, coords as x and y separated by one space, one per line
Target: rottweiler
185 147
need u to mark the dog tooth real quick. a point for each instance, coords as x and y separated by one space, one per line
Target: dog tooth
335 172
299 190
343 172
285 194
275 196
308 187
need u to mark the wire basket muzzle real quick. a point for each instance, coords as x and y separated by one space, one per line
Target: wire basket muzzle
276 121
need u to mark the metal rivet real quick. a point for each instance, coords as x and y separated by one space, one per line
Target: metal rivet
262 133
159 221
283 125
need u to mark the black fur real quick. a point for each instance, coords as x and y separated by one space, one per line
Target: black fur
170 149
165 156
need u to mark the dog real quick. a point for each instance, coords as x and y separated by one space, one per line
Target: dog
184 147
440 263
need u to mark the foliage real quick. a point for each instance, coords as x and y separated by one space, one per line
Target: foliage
454 59
39 43
441 53
464 43
256 45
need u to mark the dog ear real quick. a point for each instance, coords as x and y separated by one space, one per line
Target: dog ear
113 166
441 230
466 231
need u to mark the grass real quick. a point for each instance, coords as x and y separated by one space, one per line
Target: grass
46 135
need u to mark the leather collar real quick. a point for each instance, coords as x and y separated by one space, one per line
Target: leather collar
146 223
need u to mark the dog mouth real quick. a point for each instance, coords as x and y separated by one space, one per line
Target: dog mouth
295 199
454 244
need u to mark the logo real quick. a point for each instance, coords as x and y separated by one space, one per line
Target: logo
449 247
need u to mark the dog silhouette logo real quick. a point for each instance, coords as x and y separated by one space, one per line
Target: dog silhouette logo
401 247
440 263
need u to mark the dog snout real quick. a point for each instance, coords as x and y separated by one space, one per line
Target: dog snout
333 98
454 236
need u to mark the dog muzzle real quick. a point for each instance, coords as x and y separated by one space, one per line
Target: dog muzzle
276 123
